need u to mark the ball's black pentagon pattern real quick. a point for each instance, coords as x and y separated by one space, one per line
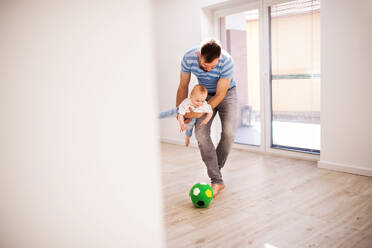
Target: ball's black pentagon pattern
200 203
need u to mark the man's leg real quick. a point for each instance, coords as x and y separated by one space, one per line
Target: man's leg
227 110
207 149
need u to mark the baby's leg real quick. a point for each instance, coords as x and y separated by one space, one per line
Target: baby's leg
187 140
190 127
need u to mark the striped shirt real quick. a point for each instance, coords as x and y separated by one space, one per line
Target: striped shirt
224 69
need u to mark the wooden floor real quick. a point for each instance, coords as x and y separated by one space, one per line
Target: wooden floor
269 202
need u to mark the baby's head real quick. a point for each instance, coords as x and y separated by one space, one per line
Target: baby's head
198 95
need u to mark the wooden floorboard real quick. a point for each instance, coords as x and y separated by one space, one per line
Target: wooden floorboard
269 202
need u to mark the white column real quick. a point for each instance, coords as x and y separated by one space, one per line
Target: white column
79 164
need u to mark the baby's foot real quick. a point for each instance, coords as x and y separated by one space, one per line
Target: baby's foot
187 141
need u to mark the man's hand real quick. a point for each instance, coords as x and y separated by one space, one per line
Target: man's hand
187 121
193 114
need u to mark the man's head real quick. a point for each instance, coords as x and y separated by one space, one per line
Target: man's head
198 95
210 52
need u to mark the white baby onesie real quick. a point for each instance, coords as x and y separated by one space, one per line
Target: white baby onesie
186 104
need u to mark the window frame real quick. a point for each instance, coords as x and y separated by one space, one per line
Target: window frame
265 71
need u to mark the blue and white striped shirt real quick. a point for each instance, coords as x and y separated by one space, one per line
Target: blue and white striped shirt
224 69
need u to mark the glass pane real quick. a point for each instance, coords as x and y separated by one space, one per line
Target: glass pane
240 37
295 66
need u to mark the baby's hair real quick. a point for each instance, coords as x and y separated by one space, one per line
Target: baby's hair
199 89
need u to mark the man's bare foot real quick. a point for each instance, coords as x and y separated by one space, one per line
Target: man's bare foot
217 188
187 141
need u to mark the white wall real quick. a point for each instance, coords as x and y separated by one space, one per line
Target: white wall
78 166
346 116
178 28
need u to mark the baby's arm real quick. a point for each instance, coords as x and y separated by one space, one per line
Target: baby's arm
183 127
182 110
209 113
206 119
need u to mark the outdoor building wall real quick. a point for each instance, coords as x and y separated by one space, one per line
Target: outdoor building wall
237 47
305 60
295 46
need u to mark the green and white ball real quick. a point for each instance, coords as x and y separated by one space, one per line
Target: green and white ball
201 195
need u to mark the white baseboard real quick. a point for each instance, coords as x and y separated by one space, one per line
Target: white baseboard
178 142
321 164
345 168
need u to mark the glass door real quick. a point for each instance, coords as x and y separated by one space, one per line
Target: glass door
294 29
239 34
275 45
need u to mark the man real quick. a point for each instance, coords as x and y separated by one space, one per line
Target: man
214 69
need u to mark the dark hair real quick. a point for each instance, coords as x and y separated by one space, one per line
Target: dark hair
210 50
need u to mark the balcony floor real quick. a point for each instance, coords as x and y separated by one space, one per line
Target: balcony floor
293 134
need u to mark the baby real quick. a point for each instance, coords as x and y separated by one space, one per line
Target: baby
197 103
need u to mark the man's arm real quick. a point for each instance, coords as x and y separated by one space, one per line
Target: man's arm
182 92
183 87
222 87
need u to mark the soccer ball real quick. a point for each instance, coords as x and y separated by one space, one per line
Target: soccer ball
201 195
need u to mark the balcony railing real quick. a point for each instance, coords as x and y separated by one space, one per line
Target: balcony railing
295 76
